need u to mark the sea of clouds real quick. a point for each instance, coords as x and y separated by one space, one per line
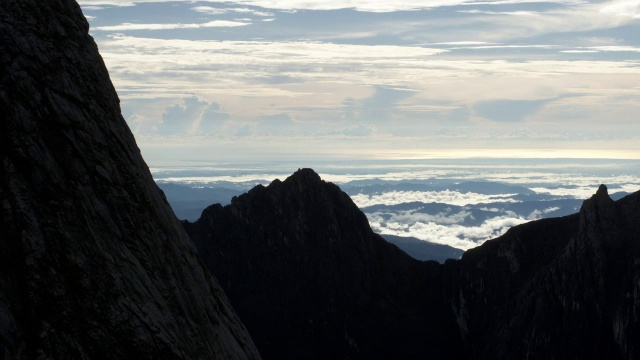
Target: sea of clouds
460 203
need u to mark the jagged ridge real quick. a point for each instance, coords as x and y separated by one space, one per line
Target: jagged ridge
556 288
566 288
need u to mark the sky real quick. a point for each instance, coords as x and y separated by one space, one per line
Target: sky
270 80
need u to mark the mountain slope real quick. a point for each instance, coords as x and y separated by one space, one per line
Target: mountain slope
312 281
93 263
566 288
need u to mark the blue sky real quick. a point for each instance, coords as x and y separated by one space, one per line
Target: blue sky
251 80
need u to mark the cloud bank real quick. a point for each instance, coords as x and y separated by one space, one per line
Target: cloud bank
443 228
444 197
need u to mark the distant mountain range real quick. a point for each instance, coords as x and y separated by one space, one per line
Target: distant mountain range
424 250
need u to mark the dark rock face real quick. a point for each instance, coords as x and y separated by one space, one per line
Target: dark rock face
565 288
311 280
93 263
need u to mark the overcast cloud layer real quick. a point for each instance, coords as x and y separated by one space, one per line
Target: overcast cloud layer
296 80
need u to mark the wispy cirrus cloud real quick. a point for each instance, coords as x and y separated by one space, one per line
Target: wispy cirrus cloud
209 10
208 24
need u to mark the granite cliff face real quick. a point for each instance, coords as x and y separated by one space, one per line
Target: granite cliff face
93 263
311 280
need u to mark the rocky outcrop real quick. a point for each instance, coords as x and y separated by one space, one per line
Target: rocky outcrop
565 288
93 263
311 280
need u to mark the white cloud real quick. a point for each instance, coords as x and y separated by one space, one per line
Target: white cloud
579 51
506 26
252 11
444 218
209 24
192 115
535 214
514 13
625 8
439 230
219 11
233 64
616 48
210 10
461 43
550 209
444 197
269 51
585 191
597 49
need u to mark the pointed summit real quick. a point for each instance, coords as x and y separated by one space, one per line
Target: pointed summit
601 197
602 191
305 176
306 172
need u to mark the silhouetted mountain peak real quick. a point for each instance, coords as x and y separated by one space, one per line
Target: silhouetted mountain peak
302 203
301 254
304 182
598 213
602 191
305 175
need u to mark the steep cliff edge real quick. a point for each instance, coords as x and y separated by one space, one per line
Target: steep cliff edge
93 263
311 280
565 288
